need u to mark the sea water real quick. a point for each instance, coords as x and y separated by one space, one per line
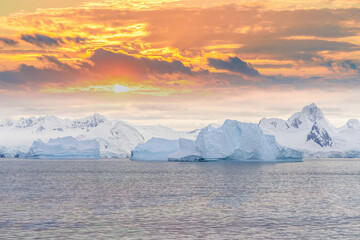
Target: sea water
121 199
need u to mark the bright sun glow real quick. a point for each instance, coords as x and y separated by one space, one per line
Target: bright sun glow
119 88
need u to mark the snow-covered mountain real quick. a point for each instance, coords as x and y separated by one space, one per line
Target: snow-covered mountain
116 138
308 131
160 131
311 132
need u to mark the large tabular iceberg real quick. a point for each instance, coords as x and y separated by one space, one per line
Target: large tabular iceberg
232 141
64 148
186 152
155 149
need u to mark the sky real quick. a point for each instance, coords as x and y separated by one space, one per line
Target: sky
179 63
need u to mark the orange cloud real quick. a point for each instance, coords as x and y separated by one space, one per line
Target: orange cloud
180 48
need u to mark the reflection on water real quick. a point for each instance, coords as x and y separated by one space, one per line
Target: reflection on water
314 199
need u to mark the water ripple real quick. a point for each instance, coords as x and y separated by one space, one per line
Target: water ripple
120 199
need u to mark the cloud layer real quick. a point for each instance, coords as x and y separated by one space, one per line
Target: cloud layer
180 49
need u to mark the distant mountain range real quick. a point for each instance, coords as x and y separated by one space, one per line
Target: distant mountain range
116 138
308 131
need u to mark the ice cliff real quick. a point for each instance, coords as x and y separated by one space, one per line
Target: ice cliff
64 148
155 149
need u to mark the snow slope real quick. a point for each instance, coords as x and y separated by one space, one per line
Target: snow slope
116 139
310 132
159 131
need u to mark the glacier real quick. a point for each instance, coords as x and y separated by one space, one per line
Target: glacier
234 140
64 148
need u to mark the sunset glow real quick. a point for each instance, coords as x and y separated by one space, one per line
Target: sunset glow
177 62
118 88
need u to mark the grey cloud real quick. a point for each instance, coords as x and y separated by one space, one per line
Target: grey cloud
53 60
8 41
166 67
286 82
28 77
228 79
102 58
273 65
343 65
77 39
320 29
349 64
234 64
41 40
295 48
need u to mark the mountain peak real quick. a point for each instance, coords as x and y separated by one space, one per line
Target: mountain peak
313 112
353 124
98 116
311 107
320 136
90 121
48 118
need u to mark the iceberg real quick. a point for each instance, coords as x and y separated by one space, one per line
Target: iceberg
10 152
187 152
241 141
155 149
64 148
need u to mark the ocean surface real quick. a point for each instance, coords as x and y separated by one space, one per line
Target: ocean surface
120 199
